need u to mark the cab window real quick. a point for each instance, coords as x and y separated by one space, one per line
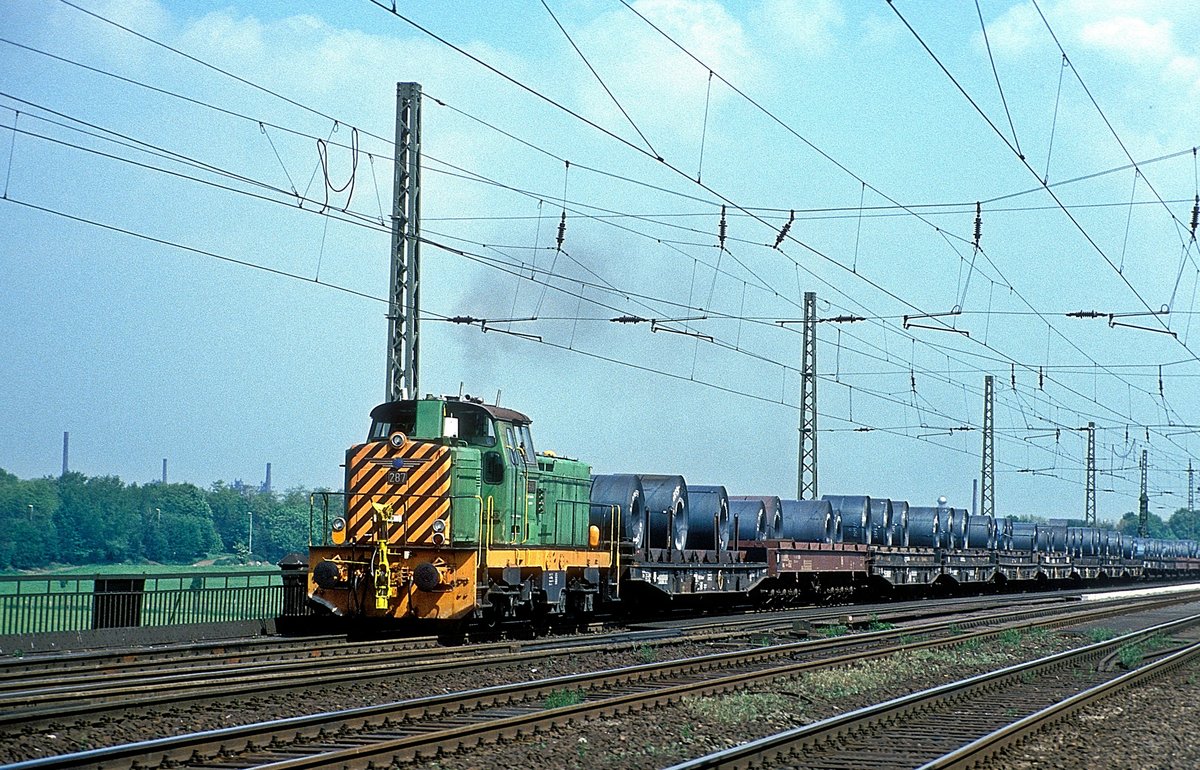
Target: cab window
402 419
525 443
510 442
474 425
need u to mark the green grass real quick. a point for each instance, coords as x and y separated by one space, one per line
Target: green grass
739 708
561 698
879 625
1100 634
835 630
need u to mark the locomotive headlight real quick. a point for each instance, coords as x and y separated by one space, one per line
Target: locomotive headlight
397 439
439 525
338 534
339 524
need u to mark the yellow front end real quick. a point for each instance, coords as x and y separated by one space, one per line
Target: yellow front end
391 555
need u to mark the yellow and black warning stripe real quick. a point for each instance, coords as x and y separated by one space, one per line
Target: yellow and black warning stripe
413 480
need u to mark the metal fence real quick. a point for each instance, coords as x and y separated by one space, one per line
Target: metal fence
51 603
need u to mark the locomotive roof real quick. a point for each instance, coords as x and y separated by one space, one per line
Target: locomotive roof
497 412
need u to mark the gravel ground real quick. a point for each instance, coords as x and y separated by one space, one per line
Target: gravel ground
127 727
1154 727
701 725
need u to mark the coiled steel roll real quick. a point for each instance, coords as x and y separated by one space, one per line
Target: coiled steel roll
620 494
855 513
981 531
924 527
1004 533
949 536
708 518
774 521
666 505
1114 543
962 523
1025 536
749 518
899 526
881 521
837 526
811 521
1083 541
1055 537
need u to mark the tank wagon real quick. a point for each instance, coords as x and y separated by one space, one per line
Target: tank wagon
451 516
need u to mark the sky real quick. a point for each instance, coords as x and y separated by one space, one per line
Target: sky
180 279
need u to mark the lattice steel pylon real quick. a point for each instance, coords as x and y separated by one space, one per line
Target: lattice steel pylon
987 480
1143 504
1089 502
404 301
806 481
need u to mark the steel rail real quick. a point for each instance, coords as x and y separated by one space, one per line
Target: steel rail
76 693
776 749
636 687
1017 731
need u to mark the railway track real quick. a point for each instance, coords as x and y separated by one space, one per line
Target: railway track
425 726
958 724
114 683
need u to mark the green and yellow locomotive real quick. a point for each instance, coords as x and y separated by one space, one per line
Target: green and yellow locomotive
450 514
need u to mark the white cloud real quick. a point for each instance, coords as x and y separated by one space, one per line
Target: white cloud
798 26
1016 31
1134 32
1131 37
661 87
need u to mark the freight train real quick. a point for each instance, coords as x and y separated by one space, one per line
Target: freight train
450 516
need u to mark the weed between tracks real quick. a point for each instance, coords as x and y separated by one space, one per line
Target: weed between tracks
560 698
787 705
1131 655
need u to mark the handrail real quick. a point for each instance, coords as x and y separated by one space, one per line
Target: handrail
615 543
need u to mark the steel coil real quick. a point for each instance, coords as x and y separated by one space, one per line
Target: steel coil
749 518
899 526
667 508
981 531
811 521
772 520
708 517
924 526
1025 536
618 494
855 513
881 521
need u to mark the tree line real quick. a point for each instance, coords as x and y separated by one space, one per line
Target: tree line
77 519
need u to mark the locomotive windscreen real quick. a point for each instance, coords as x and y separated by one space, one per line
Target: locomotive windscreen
386 419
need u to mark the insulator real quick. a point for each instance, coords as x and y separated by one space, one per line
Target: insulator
1041 379
792 218
1195 216
1160 383
562 229
1014 376
978 224
721 230
912 378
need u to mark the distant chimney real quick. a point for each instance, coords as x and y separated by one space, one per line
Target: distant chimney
267 483
66 447
164 479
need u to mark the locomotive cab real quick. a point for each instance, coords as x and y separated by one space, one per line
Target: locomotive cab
451 514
